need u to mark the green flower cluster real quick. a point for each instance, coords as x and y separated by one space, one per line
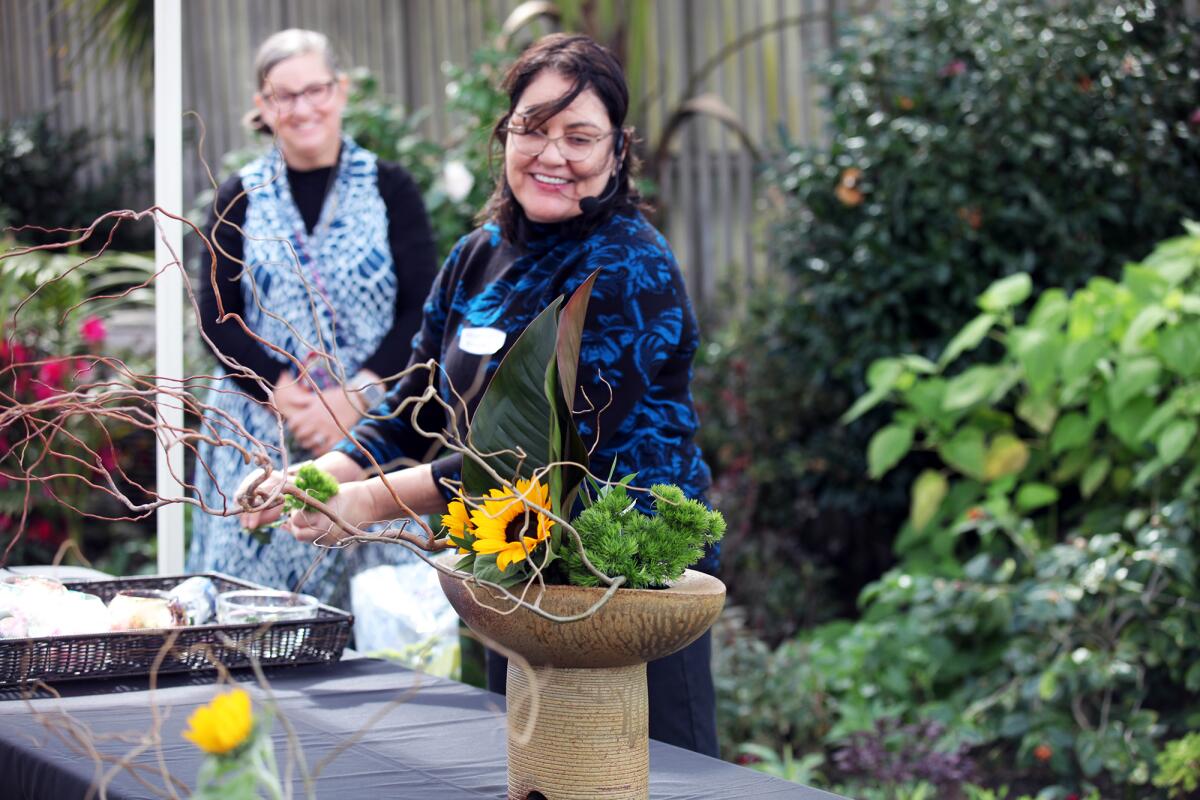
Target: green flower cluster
314 482
650 551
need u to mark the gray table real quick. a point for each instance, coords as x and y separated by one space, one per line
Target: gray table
408 753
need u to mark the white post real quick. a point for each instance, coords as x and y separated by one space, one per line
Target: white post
168 288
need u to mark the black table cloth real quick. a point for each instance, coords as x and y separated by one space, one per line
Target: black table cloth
434 738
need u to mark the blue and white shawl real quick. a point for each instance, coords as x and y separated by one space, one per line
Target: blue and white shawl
331 290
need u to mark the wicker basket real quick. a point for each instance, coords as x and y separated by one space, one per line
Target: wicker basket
199 647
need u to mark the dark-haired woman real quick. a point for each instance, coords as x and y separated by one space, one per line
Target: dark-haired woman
565 206
320 246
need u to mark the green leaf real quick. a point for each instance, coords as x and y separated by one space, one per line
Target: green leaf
970 387
486 570
968 338
965 452
1039 412
514 411
1038 353
1051 310
1006 293
863 404
887 447
1094 475
1134 376
1175 440
1079 358
1126 424
1036 495
1072 430
883 374
1162 416
1179 349
928 491
1007 455
1147 321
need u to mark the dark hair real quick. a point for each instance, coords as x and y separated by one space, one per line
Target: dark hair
587 65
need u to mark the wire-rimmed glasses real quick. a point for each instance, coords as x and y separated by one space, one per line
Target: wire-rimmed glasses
317 95
575 146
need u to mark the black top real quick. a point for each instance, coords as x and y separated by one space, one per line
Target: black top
413 255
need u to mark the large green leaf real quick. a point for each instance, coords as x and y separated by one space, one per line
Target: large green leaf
968 338
1175 440
972 386
887 447
928 492
561 379
1006 293
1179 348
1134 376
965 452
514 411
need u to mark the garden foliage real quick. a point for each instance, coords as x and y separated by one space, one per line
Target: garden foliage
49 348
1044 610
968 141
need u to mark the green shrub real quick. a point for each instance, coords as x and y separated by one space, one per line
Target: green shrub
40 170
967 141
1090 409
1179 766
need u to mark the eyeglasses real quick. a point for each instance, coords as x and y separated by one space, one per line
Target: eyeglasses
316 94
571 146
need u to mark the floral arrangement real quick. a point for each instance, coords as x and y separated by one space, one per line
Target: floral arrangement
509 529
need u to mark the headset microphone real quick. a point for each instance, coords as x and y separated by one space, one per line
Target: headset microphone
591 204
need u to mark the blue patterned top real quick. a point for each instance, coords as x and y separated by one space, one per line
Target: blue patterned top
639 339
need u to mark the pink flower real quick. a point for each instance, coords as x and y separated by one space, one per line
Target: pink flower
50 378
953 69
42 531
1194 119
108 458
92 330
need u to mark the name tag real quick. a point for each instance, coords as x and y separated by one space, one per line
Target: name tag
481 341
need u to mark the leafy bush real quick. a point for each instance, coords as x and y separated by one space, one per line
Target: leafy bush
40 171
1091 409
49 346
1179 766
967 141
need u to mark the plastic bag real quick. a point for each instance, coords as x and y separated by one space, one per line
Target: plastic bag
401 613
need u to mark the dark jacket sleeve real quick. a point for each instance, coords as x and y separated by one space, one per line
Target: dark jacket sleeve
415 259
219 275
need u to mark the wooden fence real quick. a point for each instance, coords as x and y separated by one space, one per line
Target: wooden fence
711 205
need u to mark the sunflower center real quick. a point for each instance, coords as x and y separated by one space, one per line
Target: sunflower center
521 525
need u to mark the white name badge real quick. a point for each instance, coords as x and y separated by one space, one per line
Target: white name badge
481 341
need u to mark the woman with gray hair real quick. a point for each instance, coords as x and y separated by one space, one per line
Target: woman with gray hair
326 253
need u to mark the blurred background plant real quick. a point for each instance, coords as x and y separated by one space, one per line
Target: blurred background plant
40 170
48 346
966 141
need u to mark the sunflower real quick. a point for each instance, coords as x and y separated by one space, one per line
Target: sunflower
458 524
505 519
222 725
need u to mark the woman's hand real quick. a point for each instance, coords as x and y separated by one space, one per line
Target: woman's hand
315 427
354 503
339 465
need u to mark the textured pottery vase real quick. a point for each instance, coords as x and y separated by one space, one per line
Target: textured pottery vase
578 726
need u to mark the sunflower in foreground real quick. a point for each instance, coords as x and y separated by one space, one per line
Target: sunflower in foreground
509 525
223 725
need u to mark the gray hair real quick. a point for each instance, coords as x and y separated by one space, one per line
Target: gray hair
280 47
286 44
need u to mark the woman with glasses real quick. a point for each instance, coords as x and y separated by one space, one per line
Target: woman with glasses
321 250
565 205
